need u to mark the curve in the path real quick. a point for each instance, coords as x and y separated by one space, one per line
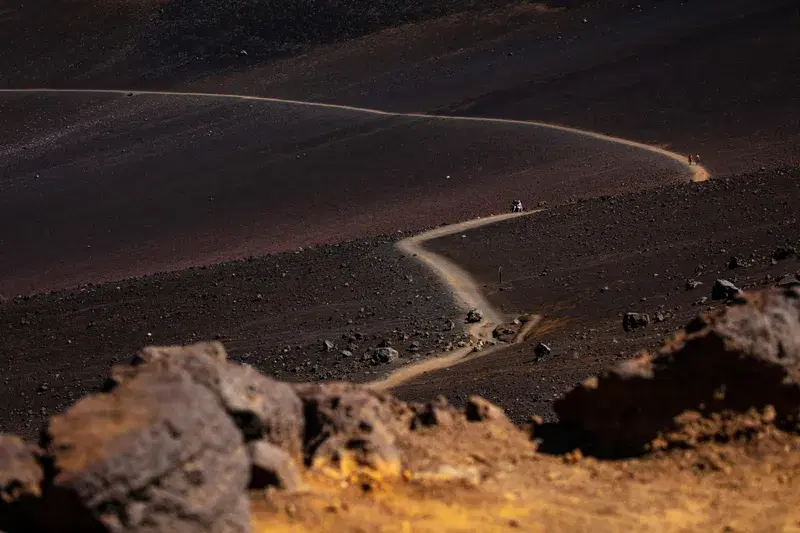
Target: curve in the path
698 172
464 289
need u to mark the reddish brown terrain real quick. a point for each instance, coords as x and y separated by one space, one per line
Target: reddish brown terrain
105 187
583 266
126 204
704 433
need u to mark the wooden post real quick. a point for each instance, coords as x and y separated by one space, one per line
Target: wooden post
500 274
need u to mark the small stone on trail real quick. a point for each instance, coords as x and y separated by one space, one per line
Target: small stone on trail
474 316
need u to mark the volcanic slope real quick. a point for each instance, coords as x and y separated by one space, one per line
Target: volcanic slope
99 187
583 266
274 313
707 77
710 77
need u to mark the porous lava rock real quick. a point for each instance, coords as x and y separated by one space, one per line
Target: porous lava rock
743 356
159 453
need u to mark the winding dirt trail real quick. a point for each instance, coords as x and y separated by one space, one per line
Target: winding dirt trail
698 172
464 288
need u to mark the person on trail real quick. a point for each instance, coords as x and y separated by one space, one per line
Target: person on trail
696 159
516 207
690 159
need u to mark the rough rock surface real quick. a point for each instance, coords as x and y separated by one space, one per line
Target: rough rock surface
384 355
542 350
159 453
505 332
747 355
272 467
20 473
474 316
631 321
261 406
724 290
344 419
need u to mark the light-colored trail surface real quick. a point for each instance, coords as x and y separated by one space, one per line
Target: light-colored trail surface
465 292
464 288
698 172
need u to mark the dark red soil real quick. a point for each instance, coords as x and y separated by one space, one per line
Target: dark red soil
98 188
272 312
583 266
125 185
714 78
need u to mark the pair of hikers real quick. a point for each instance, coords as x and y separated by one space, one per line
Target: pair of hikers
696 159
516 207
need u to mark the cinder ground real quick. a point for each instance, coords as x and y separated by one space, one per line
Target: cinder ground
710 77
583 266
106 187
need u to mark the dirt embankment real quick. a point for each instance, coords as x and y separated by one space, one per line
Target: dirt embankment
704 433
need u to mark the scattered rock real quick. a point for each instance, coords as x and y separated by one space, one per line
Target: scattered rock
724 290
737 262
692 284
659 317
272 467
346 353
474 316
541 350
505 332
384 355
328 346
788 280
631 321
743 356
414 346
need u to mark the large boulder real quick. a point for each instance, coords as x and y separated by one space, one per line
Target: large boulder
349 424
263 408
744 356
159 453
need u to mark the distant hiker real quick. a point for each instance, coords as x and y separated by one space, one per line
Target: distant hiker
690 159
696 159
516 207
